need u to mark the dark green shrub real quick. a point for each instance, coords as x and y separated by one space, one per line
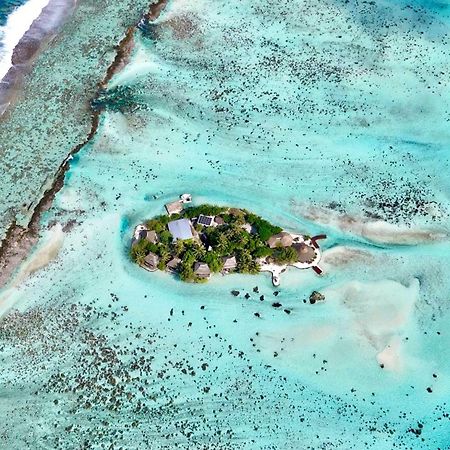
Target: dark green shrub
286 255
207 210
214 261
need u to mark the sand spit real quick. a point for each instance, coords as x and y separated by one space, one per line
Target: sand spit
342 256
40 259
19 240
41 32
376 231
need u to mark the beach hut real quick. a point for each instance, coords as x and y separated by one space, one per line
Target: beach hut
151 237
282 239
229 263
151 262
305 253
202 270
172 265
180 229
174 207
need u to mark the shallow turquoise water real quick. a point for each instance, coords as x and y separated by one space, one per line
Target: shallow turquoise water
323 118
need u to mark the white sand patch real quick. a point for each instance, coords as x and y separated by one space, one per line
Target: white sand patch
143 64
390 357
342 256
37 261
181 7
358 328
380 310
375 231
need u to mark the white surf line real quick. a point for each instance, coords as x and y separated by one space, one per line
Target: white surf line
17 24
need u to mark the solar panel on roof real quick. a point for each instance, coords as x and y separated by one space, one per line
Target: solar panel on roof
205 220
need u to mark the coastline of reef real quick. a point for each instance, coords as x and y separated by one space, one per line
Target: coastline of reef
44 28
19 240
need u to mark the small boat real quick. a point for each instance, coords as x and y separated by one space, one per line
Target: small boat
186 198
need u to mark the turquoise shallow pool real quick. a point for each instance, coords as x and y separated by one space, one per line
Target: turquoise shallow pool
323 117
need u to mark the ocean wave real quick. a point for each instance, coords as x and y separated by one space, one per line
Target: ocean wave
28 30
18 23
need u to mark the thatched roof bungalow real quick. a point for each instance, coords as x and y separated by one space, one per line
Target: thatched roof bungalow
282 239
172 265
202 270
305 253
151 262
152 237
229 263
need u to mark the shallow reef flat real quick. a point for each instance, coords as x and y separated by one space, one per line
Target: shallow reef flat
299 112
51 115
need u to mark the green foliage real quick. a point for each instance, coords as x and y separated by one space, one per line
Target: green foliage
192 249
200 280
187 267
225 240
262 252
158 224
214 261
178 248
165 237
207 210
163 251
141 249
245 262
286 255
264 228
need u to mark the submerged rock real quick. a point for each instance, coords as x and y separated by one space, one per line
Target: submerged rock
316 297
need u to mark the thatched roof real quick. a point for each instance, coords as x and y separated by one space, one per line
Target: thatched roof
305 253
151 260
235 212
152 237
229 262
202 269
173 263
284 239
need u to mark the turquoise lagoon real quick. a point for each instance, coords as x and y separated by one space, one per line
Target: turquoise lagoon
322 117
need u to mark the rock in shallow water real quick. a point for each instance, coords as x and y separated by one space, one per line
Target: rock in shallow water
316 297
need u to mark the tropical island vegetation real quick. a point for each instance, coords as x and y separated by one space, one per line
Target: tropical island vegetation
199 240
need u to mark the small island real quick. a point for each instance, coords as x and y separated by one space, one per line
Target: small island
196 241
